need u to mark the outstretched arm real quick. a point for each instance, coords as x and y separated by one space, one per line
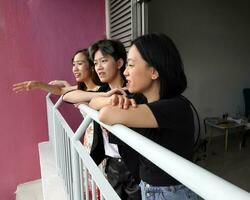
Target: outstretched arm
60 83
78 96
31 85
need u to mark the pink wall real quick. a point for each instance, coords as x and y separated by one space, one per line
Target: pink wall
37 40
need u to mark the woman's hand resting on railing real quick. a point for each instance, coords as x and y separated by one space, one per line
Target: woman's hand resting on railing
114 97
122 101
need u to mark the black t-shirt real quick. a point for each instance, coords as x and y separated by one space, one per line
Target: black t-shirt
175 132
129 155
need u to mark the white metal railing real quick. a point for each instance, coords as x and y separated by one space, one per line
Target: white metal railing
201 181
74 163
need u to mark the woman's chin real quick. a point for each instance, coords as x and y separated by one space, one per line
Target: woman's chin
104 80
79 79
130 90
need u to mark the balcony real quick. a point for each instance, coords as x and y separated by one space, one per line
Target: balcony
66 166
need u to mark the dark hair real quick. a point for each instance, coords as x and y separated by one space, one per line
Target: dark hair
94 76
160 52
113 48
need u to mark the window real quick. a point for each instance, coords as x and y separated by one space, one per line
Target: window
125 20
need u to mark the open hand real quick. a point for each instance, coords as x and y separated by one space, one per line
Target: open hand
24 86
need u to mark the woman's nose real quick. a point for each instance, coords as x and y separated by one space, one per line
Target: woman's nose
74 68
125 73
98 66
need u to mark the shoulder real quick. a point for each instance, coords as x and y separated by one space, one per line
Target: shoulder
138 97
170 110
171 104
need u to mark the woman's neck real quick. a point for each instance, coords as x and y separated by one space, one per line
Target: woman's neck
89 84
117 82
153 92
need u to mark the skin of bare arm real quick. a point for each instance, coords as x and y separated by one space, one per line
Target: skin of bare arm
120 100
78 96
31 85
138 117
61 83
99 102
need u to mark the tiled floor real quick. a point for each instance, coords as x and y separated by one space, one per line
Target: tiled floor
234 165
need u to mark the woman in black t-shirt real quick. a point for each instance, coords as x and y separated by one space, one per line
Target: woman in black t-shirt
154 68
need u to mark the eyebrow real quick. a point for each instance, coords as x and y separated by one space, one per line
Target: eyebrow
78 61
100 58
130 59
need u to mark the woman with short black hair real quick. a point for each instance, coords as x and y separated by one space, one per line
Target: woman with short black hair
155 69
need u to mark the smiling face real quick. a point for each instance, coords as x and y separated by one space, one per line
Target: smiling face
106 67
140 76
81 68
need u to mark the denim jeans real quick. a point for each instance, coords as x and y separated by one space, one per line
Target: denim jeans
176 192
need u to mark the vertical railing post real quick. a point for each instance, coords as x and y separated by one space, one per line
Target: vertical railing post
76 174
75 158
54 142
49 106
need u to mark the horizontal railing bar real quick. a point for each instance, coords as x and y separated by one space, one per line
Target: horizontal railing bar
59 101
201 181
82 128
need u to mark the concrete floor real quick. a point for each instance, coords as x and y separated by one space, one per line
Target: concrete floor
30 191
233 165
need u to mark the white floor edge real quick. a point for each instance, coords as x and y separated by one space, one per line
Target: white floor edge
53 186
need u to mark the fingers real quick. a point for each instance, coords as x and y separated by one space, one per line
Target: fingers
122 91
114 100
125 89
116 91
126 103
17 90
133 103
20 84
52 82
122 101
19 87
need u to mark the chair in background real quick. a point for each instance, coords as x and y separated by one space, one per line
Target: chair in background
246 95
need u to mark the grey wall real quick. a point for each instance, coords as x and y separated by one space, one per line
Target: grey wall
214 40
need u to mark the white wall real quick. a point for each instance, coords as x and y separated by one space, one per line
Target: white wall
214 40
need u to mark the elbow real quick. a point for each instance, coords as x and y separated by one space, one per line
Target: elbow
92 104
65 97
105 116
